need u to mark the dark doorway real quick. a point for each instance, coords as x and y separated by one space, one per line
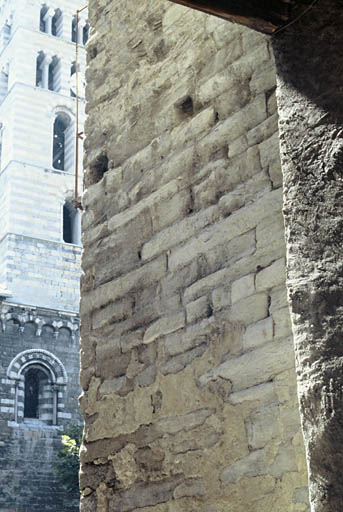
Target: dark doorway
31 401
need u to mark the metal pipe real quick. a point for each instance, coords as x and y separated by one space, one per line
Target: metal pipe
77 203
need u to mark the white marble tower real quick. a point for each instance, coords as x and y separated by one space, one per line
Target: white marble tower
39 228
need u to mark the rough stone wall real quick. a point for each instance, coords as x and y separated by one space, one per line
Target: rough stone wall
28 446
310 101
187 356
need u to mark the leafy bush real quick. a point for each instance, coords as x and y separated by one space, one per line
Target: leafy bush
68 458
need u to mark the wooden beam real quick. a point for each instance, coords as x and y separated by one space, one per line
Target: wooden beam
262 15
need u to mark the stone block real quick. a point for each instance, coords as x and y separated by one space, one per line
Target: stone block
262 426
216 85
272 276
263 78
258 333
199 124
243 287
178 233
243 194
256 366
223 234
178 363
275 173
282 322
300 494
164 193
278 299
250 309
270 230
285 460
254 464
189 488
175 424
200 308
265 129
265 394
109 292
220 298
269 150
166 212
184 340
163 326
238 146
146 377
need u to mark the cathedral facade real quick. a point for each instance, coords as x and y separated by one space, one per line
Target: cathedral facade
40 244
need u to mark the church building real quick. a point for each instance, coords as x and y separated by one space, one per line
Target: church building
40 244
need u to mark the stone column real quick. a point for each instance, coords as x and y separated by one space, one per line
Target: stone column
54 390
16 384
45 71
65 77
80 28
67 21
309 62
48 21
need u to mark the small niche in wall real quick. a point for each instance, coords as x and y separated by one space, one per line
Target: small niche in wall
98 169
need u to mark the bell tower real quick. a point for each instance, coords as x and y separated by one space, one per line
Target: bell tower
40 242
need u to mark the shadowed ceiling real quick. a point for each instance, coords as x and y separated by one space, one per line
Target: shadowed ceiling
263 15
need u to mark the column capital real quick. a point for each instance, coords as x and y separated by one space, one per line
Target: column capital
49 13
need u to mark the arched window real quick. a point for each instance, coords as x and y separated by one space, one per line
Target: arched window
85 34
39 71
5 35
35 383
4 82
55 75
73 30
63 143
57 23
72 79
42 21
39 378
71 224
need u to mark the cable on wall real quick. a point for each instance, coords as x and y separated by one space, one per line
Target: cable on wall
78 135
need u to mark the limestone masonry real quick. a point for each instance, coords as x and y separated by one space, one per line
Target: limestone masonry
190 397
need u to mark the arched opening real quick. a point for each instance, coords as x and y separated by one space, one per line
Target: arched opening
63 143
71 224
55 75
57 23
85 34
42 21
4 82
73 30
5 35
73 80
39 378
39 71
35 386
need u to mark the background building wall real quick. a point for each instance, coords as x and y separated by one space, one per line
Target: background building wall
187 355
39 259
28 446
36 265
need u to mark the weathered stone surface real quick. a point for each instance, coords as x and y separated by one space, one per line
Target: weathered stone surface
254 367
311 120
259 333
28 446
271 276
243 287
186 383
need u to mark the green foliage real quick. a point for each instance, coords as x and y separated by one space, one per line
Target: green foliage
68 459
